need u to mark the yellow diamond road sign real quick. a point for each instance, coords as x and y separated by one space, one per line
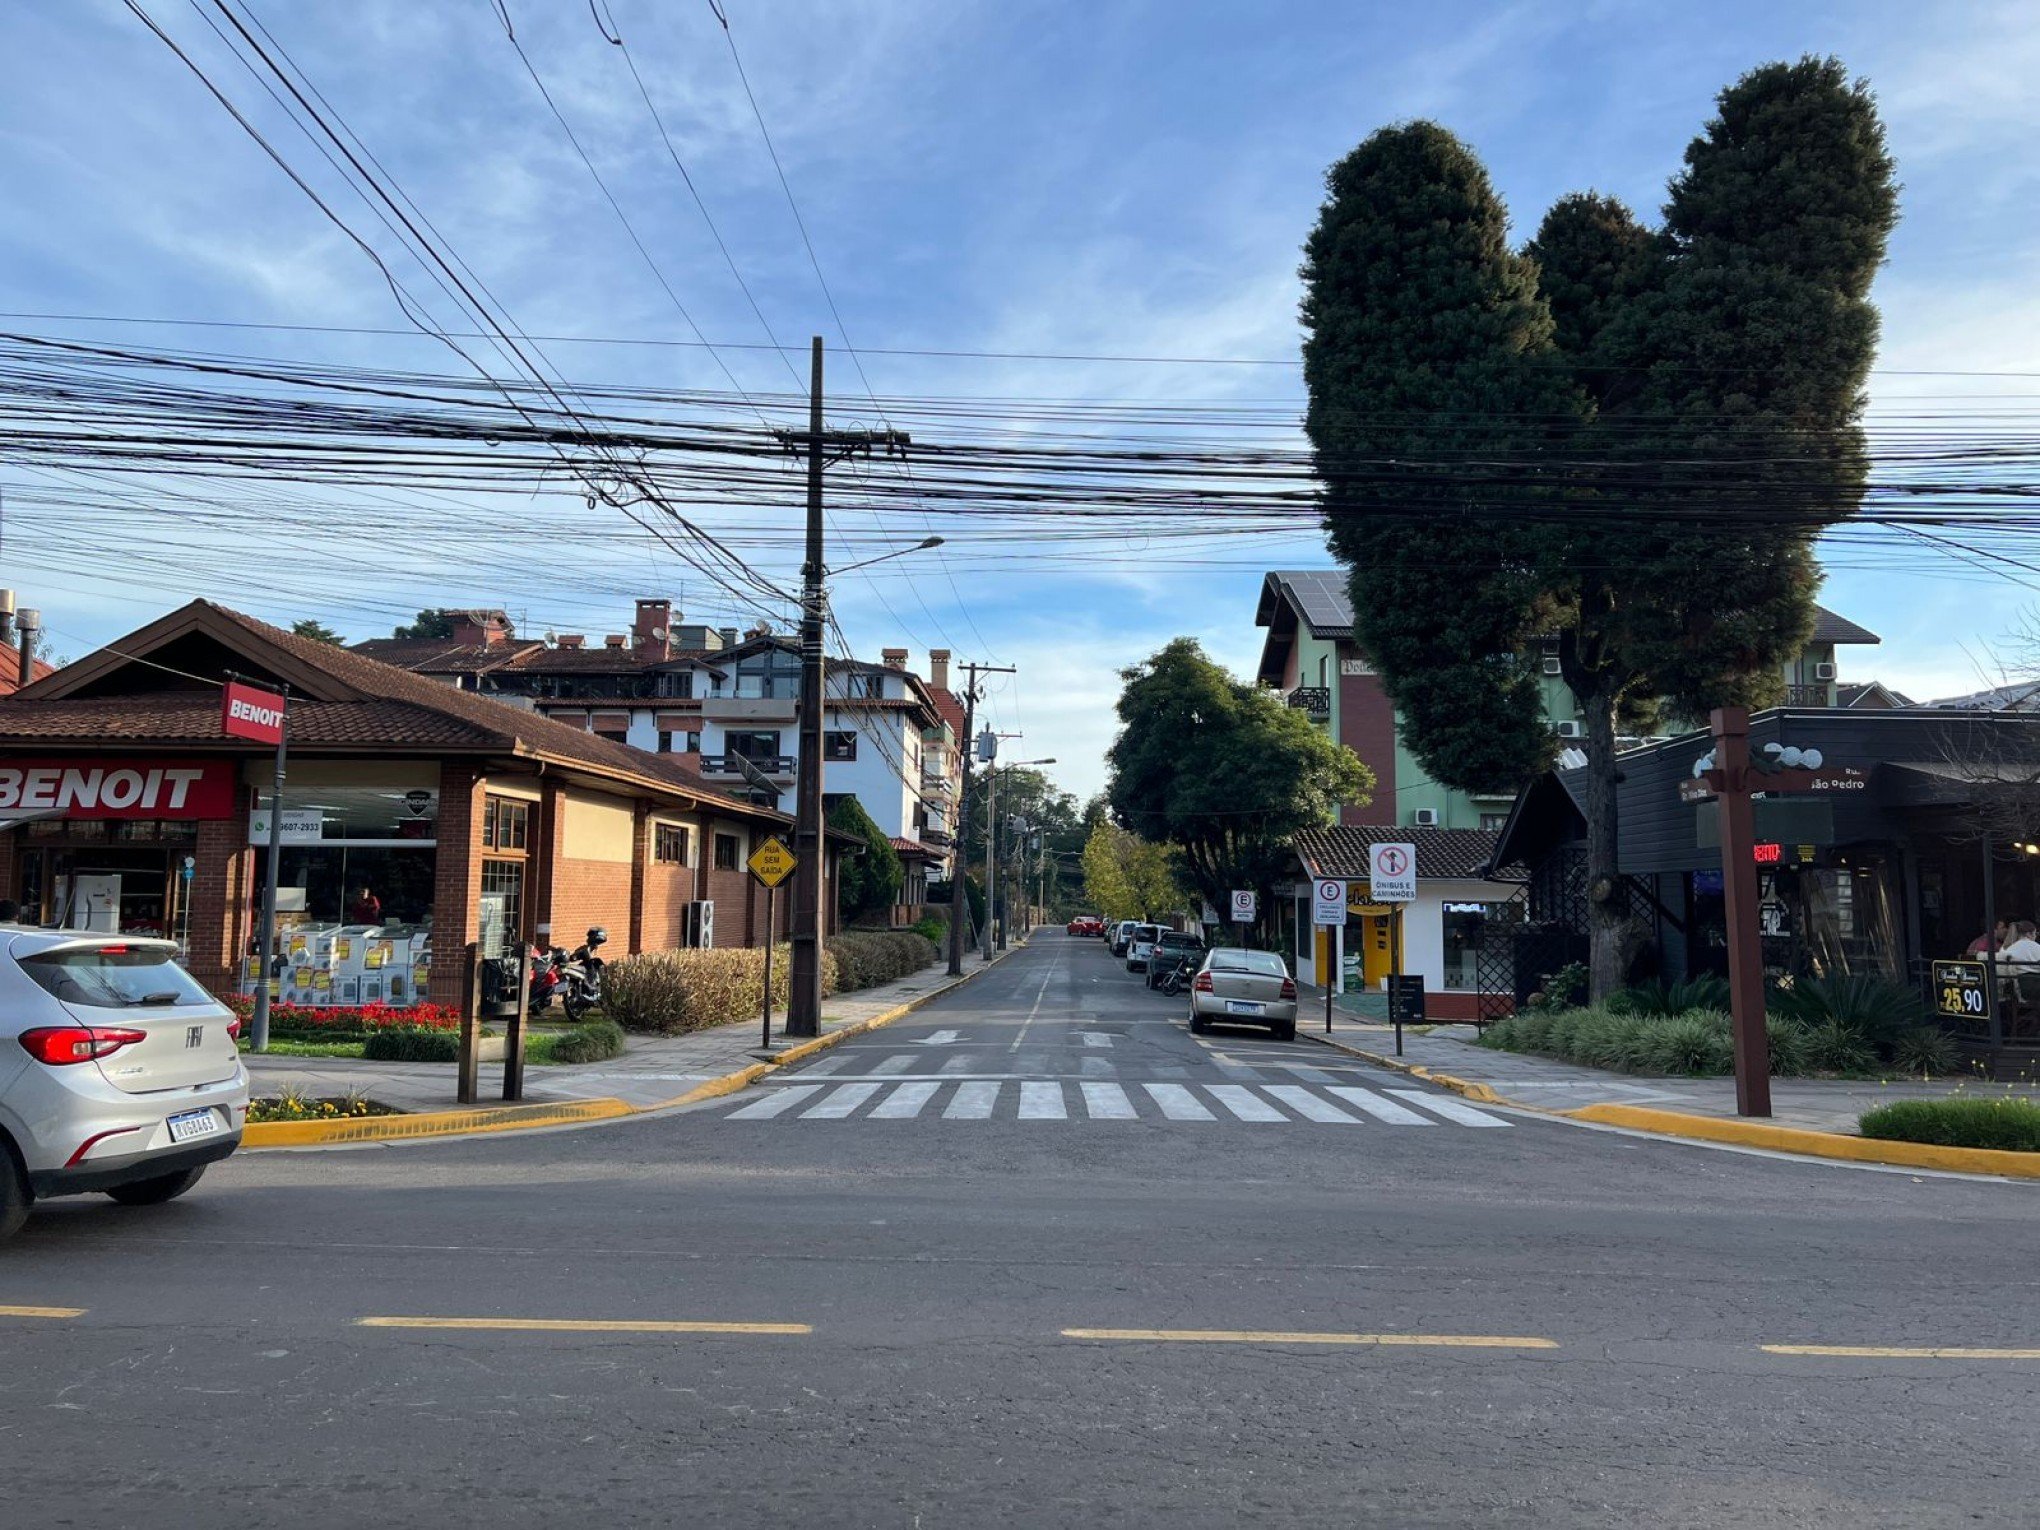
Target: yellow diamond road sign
772 863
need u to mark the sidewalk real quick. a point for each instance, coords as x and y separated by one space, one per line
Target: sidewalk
653 1070
1803 1104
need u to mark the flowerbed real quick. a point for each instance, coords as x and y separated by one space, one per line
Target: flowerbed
290 1105
305 1022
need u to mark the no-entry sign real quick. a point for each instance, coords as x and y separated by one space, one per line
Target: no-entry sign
1393 871
247 712
1328 901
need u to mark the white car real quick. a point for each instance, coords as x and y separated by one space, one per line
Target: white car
1140 944
1245 988
118 1072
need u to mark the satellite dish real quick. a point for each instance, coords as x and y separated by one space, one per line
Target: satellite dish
658 634
551 638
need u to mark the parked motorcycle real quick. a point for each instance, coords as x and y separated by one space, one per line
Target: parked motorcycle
580 976
545 976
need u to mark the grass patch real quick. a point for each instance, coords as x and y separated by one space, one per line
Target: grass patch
280 1048
289 1104
2010 1125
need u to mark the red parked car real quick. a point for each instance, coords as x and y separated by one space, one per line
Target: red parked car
1087 924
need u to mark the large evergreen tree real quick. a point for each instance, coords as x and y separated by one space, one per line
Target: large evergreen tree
1622 440
871 882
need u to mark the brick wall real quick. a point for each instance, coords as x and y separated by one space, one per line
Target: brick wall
588 893
222 895
1367 727
457 880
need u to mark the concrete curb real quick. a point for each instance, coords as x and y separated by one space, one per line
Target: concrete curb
1734 1133
1788 1139
512 1118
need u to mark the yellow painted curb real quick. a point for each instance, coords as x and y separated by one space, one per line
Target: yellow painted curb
1787 1139
729 1083
1479 1093
442 1123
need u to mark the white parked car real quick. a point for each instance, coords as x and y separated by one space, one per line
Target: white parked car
1245 988
118 1072
1140 944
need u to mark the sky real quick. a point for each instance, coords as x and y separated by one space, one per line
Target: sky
1110 179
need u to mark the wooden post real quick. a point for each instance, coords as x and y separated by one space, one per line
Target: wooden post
1731 729
468 1086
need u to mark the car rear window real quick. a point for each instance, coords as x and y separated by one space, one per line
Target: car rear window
1145 932
1177 939
114 977
1268 962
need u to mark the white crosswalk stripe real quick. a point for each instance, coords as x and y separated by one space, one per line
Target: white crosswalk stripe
905 1102
1108 1102
894 1098
899 1062
1380 1109
1095 1038
1451 1110
1178 1103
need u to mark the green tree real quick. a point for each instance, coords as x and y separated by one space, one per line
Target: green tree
1125 877
871 882
1223 772
317 631
429 624
1622 440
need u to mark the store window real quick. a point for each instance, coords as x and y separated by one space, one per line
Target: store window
506 823
670 844
502 906
727 847
1463 925
839 746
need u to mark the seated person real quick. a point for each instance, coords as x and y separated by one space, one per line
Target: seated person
2022 955
1991 940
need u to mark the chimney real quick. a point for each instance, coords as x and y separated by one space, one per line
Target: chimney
616 640
728 636
938 668
895 658
478 629
653 627
573 640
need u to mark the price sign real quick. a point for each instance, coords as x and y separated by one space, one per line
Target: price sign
1962 989
772 863
1406 998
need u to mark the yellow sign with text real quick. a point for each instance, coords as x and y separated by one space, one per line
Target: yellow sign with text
772 863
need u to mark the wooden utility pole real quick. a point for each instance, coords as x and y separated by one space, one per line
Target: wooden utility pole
959 894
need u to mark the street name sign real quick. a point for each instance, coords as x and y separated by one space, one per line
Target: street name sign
772 863
1328 901
1243 907
1393 871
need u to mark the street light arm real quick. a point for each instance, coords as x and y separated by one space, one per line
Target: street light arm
898 552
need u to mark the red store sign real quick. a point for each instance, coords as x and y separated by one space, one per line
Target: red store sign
99 788
248 711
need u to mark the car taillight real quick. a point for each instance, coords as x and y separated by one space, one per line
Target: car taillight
61 1045
1202 982
1289 988
234 1030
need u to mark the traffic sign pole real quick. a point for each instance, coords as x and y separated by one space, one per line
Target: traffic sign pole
765 1031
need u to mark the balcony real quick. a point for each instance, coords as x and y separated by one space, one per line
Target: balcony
750 709
1314 701
1818 695
936 837
777 766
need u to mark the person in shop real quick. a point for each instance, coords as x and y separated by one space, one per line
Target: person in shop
366 908
1992 940
2022 955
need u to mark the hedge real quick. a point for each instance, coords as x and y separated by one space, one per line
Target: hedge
669 993
2008 1124
407 1044
867 958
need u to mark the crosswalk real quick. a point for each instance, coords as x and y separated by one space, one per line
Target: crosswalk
892 1099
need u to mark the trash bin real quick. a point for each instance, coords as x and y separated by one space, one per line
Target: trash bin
499 987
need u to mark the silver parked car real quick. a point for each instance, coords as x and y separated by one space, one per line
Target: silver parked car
118 1072
1247 988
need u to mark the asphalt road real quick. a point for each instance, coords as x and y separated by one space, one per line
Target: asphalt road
963 1291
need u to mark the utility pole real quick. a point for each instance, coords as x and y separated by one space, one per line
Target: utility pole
805 922
959 893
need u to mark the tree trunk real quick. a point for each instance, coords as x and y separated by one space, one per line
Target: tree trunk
1606 907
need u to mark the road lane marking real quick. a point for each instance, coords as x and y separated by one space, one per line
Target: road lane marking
840 1101
940 1039
961 1063
1307 1074
973 1102
42 1312
773 1104
1108 1102
1054 966
1095 1038
826 1065
1308 1105
1380 1109
1365 1340
1244 1103
1451 1110
1178 1103
1899 1352
905 1102
1042 1102
580 1325
899 1062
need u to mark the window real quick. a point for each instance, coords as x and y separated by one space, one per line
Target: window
694 741
115 977
677 683
665 741
864 687
772 674
1463 925
614 735
839 746
1493 822
726 847
753 746
506 824
501 915
669 844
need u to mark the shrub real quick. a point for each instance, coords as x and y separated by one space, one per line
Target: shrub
408 1044
933 930
1563 989
866 958
1876 1009
1659 998
2008 1124
669 993
1839 1048
595 1041
1791 1046
1925 1049
1695 1044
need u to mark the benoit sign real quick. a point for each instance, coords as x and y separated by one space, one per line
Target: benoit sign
249 712
94 789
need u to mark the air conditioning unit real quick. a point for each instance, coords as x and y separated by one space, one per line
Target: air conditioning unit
1824 671
1571 729
1427 817
698 928
1553 667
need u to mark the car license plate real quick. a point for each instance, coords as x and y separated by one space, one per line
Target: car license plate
193 1123
1241 1007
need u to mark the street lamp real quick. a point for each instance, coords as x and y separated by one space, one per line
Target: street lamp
992 841
897 552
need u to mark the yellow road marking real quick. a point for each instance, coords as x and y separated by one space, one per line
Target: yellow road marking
579 1325
1896 1352
1252 1336
42 1312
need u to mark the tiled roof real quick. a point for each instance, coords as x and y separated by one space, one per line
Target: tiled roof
950 706
366 703
1830 628
914 847
10 667
441 656
1341 851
